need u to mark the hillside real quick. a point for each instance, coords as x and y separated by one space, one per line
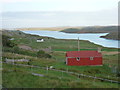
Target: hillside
112 35
34 72
48 28
92 29
112 30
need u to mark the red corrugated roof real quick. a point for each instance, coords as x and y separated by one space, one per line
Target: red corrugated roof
83 54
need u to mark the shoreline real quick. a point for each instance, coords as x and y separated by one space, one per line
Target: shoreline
75 39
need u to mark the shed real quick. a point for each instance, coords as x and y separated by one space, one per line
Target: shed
83 58
40 40
11 39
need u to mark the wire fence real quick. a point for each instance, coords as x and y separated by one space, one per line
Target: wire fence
77 74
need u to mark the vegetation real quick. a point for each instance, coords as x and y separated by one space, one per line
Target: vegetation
11 46
112 35
21 77
101 29
43 54
6 41
71 30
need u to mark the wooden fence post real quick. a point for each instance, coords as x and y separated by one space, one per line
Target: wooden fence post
78 75
83 75
111 81
94 78
67 70
62 74
108 76
31 67
13 62
47 69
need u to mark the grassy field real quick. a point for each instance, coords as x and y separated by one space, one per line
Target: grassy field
21 77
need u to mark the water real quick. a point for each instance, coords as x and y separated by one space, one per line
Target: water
92 37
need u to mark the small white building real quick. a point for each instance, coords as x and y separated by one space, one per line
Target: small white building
40 40
11 39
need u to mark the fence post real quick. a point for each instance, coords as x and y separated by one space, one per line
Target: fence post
62 74
108 76
78 75
94 78
117 78
13 61
67 70
47 69
31 68
111 81
83 75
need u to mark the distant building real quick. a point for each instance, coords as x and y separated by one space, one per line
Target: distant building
40 40
11 39
83 58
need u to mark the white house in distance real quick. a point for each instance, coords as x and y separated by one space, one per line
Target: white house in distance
11 39
40 40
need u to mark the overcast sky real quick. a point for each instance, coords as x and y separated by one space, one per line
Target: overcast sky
59 13
58 5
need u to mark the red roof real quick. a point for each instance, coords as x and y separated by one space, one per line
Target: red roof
83 54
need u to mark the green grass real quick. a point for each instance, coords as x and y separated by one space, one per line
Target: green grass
21 76
100 71
111 59
60 45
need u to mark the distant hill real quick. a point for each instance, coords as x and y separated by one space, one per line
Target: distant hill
112 35
13 33
112 30
46 28
93 29
71 30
